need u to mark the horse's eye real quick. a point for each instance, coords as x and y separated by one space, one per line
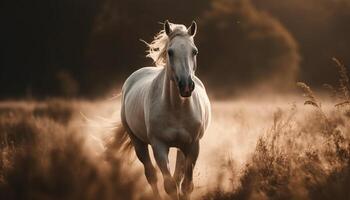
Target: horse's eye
195 52
170 52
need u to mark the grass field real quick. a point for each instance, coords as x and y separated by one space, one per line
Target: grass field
253 149
286 147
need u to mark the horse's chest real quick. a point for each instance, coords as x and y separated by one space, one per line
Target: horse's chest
178 128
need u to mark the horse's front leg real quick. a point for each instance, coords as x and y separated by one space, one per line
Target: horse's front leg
179 167
161 151
191 158
142 154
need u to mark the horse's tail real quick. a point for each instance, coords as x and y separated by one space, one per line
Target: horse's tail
122 138
120 141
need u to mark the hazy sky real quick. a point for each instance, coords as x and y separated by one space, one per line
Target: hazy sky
87 48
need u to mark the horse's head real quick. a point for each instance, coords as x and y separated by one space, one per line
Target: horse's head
181 56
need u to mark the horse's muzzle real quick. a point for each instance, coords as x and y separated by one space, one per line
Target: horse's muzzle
186 87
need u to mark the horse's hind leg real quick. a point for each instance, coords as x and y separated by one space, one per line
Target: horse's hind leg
142 153
179 168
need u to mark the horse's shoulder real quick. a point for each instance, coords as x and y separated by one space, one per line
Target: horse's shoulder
200 88
204 101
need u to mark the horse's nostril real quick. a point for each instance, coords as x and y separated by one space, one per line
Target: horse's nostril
192 85
176 78
181 84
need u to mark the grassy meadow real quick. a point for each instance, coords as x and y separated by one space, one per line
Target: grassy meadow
286 147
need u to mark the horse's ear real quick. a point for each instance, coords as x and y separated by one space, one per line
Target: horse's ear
167 28
192 29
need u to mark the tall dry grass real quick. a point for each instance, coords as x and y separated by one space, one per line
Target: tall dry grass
43 156
253 150
302 156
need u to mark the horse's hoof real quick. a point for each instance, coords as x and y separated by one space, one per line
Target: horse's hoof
187 187
170 186
175 197
184 197
157 196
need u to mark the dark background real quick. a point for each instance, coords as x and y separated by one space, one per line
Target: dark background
86 48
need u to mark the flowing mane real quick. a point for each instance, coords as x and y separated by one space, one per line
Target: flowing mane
157 48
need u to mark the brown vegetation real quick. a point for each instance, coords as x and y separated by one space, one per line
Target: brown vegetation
44 157
304 154
305 158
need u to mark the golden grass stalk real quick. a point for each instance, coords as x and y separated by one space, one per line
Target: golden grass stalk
344 85
310 97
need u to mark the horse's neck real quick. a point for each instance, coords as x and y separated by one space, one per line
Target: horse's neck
170 93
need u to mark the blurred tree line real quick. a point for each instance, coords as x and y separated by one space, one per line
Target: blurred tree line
88 47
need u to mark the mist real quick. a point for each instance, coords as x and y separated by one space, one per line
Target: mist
277 131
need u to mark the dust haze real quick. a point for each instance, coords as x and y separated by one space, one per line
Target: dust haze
255 148
276 73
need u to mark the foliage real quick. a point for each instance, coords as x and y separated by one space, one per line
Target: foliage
44 156
307 158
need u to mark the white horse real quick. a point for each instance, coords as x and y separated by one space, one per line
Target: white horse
167 106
